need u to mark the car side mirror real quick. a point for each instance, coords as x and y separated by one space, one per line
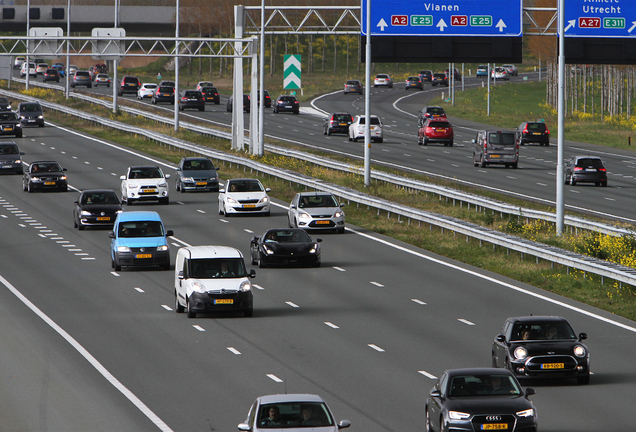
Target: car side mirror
293 206
111 234
122 177
221 190
501 338
252 274
64 169
474 141
216 169
435 393
169 233
582 336
76 202
342 204
22 153
318 240
167 176
180 274
268 190
530 391
244 427
344 424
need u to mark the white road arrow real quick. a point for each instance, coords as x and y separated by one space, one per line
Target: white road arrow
632 27
441 24
570 25
501 25
382 24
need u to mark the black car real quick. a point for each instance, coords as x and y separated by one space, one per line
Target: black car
10 160
129 84
541 347
285 246
191 99
211 94
163 94
31 113
229 106
480 399
337 123
426 75
10 124
287 103
44 175
414 82
534 132
51 75
196 174
268 99
457 74
96 207
585 169
5 105
440 79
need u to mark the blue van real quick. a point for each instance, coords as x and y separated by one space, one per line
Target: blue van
139 239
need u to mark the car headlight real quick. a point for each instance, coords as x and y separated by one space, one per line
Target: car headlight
526 413
36 179
133 186
63 178
163 184
231 200
18 161
264 200
162 248
188 179
457 415
119 211
123 249
245 286
199 287
40 116
303 215
86 213
579 351
521 353
338 214
314 248
22 117
268 250
18 125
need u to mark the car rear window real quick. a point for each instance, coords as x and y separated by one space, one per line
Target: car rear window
383 76
435 111
536 127
439 124
374 120
352 82
82 73
165 89
502 138
342 117
209 90
288 98
131 80
589 163
193 94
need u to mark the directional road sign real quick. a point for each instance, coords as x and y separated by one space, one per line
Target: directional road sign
600 18
291 72
448 18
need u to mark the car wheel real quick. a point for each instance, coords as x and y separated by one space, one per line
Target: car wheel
225 212
514 165
252 259
29 187
482 163
166 266
597 184
567 180
573 182
129 202
220 209
202 109
450 144
80 227
428 421
424 141
324 131
165 201
350 139
341 230
177 306
604 184
328 131
584 380
117 266
18 135
317 264
261 263
249 312
381 140
355 139
191 313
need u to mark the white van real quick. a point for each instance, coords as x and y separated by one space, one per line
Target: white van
212 279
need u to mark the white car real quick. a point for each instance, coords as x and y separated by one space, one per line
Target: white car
32 70
41 68
383 80
316 211
17 62
146 90
210 279
202 84
72 69
499 73
356 129
144 183
512 69
242 196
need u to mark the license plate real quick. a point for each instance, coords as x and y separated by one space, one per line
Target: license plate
343 124
202 183
552 366
287 106
440 130
8 128
6 166
31 121
143 256
103 218
322 222
130 85
224 301
591 170
494 156
536 133
148 191
249 206
167 95
495 426
49 183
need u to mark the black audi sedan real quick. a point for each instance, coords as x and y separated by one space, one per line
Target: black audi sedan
44 175
541 347
10 124
285 246
585 169
96 207
480 399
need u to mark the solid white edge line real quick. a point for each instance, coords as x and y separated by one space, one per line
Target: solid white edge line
498 282
89 357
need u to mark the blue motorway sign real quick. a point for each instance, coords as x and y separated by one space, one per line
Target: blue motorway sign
448 18
600 18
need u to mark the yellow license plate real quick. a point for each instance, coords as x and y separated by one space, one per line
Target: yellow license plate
536 133
495 426
148 191
494 156
249 206
103 218
322 222
552 366
143 256
224 301
8 128
202 183
440 130
49 183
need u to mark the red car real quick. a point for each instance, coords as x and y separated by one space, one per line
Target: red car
435 130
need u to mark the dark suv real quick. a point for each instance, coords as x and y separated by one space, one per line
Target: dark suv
287 103
337 123
585 169
163 94
534 132
129 84
440 79
81 78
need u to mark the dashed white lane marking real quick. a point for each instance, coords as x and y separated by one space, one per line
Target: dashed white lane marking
292 304
233 350
201 329
378 284
224 221
201 211
68 245
375 347
275 378
610 199
339 269
88 259
248 231
115 274
428 375
465 321
258 287
81 254
166 307
139 289
332 325
418 301
542 184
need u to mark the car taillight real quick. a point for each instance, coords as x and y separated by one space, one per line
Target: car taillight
547 131
602 169
525 129
578 169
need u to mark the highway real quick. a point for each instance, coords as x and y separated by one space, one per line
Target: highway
368 331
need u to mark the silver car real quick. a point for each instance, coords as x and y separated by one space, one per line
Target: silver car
292 412
316 210
383 80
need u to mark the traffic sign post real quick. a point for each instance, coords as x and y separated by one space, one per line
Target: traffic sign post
292 72
607 19
460 18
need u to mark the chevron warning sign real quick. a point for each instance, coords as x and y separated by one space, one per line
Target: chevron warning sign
291 72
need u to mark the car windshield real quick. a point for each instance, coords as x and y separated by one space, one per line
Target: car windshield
311 201
286 236
30 107
541 330
536 127
8 116
140 229
46 167
9 149
483 385
589 163
100 198
213 268
197 165
245 186
145 173
502 138
294 415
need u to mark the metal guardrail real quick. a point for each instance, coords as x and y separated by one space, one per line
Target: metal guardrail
620 273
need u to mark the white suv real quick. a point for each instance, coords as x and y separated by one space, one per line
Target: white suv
356 129
32 70
383 80
212 279
144 183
